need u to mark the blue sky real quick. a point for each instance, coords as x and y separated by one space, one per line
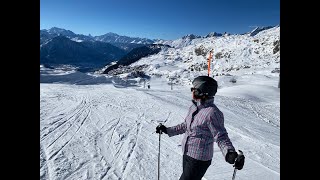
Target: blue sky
164 19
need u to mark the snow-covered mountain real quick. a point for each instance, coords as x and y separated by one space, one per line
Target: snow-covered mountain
232 55
181 42
61 50
60 31
124 42
258 29
115 38
63 47
135 55
48 34
213 34
186 57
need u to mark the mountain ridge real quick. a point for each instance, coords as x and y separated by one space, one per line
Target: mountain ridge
190 42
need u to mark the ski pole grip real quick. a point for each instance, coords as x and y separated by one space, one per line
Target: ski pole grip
240 155
239 161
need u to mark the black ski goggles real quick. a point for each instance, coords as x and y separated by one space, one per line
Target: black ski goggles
193 89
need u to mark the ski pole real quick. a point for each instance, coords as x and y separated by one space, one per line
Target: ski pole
159 154
234 173
235 169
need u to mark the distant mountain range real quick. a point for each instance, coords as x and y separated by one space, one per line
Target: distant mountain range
60 46
124 42
62 50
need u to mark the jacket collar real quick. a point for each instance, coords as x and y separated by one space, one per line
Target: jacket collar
199 103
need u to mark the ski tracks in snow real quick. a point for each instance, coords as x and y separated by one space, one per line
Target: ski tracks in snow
101 132
89 134
255 123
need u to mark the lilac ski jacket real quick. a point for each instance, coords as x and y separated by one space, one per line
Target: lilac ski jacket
203 125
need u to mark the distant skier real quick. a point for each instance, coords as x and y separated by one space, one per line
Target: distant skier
148 85
203 125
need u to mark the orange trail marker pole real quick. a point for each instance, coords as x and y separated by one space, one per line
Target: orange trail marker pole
209 60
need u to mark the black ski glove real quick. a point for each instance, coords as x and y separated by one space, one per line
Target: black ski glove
231 156
162 128
239 162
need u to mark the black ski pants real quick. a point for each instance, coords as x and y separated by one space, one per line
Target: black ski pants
193 169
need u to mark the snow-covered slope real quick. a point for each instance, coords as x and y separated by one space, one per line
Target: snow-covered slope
107 130
232 54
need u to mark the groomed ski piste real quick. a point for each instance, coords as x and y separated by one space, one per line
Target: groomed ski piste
103 130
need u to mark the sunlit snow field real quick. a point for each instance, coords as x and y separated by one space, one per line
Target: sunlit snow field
102 130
